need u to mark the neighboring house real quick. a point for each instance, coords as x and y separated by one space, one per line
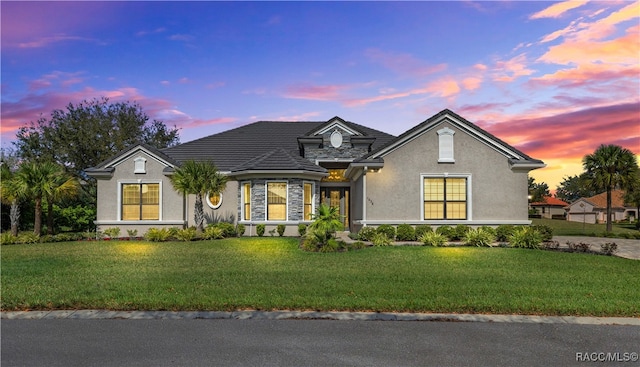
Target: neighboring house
550 207
445 170
594 209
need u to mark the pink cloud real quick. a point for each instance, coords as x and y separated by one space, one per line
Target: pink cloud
556 10
403 63
314 92
508 71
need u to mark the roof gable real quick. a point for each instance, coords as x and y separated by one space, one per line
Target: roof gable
335 123
515 156
600 200
131 151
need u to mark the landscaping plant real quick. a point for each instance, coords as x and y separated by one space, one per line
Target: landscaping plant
388 230
479 237
433 239
525 237
405 232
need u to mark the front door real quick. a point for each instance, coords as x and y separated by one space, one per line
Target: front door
337 197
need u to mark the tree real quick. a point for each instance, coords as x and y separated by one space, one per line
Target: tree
538 190
609 167
10 194
90 132
62 186
43 181
326 221
574 187
198 178
632 196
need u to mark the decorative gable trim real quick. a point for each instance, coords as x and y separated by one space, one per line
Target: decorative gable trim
333 124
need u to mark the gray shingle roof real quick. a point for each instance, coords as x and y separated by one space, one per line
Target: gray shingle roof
278 159
232 148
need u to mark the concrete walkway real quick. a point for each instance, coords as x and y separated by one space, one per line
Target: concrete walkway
313 315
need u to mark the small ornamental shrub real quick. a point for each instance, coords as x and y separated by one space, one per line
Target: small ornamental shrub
47 238
422 229
388 230
479 237
213 233
490 230
357 245
503 232
260 229
525 237
28 238
381 239
8 239
157 235
332 245
609 248
459 232
446 231
433 239
228 229
545 231
173 231
132 233
281 228
302 229
366 233
186 234
405 232
113 232
240 229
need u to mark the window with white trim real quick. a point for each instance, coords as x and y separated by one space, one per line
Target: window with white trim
445 198
140 164
214 200
140 201
308 188
276 200
246 201
445 145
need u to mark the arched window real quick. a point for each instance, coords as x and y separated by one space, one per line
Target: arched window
214 200
445 145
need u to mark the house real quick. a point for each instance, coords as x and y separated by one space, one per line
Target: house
594 209
550 207
445 170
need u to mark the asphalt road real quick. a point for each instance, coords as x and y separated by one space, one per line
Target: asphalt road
312 343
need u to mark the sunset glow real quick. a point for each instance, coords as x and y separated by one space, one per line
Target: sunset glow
554 79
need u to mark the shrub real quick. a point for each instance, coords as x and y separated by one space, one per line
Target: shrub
228 229
366 233
479 237
240 229
47 238
157 235
113 232
332 245
422 229
302 229
357 245
545 231
405 232
281 228
272 232
525 237
186 234
381 239
446 231
260 229
213 233
490 230
609 248
433 239
8 239
173 231
132 233
459 232
388 230
503 232
551 245
581 246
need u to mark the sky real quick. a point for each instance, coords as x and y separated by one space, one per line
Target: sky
553 79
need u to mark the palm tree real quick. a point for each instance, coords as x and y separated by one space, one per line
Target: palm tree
9 194
198 178
43 180
63 186
326 221
610 166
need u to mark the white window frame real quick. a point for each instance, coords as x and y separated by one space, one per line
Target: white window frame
210 204
447 175
445 145
120 183
313 198
242 200
266 201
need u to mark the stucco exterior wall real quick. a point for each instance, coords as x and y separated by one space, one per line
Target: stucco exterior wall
226 212
497 194
108 215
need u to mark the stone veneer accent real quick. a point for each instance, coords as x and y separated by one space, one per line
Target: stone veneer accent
327 151
295 198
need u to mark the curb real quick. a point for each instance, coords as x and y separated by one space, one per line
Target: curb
310 315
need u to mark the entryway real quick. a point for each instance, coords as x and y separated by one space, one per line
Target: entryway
337 197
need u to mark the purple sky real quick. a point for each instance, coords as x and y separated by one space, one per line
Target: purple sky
554 79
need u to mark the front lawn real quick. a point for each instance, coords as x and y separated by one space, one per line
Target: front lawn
272 273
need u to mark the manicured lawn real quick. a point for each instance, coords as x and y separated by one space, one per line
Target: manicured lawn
566 228
272 273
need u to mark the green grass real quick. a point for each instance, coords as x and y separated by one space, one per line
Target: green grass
566 228
272 273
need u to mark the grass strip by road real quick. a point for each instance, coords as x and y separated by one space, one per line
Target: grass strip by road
273 274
